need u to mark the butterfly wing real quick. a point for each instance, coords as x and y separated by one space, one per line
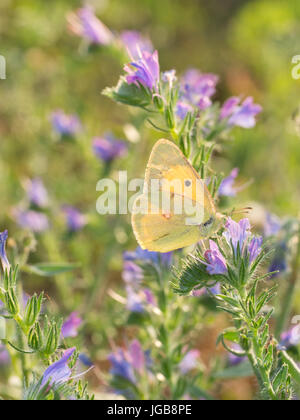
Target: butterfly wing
159 231
162 230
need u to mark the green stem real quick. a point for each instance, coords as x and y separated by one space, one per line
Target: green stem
256 352
287 303
22 356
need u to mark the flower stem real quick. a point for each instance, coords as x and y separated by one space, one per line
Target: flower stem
22 356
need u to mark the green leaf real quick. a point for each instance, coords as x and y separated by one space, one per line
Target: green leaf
293 368
230 334
49 269
128 94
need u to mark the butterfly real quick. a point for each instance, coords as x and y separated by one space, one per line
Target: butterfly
175 209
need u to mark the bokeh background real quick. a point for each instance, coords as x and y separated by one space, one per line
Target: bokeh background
248 43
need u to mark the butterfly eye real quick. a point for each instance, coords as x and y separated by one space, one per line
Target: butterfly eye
208 222
187 183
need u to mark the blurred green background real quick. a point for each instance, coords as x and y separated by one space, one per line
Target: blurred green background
249 44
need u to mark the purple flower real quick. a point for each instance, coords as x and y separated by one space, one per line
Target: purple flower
135 43
130 362
189 362
197 88
65 125
84 23
145 70
227 185
3 257
75 219
37 192
135 302
216 263
132 273
182 109
291 337
215 290
108 148
229 107
59 372
4 356
122 366
148 256
85 360
71 325
149 297
138 299
237 233
279 261
33 220
233 359
244 114
272 225
254 248
137 356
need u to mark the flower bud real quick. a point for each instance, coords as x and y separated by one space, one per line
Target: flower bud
169 114
35 337
11 302
158 102
33 309
52 339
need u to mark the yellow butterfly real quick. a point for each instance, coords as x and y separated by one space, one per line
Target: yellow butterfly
190 213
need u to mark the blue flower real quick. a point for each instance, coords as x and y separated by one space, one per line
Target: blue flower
229 107
4 356
121 366
108 148
132 273
233 359
244 114
4 261
182 109
59 372
197 89
149 256
291 337
65 125
129 363
237 232
33 220
71 325
189 362
272 225
215 262
135 301
36 192
227 185
279 262
75 219
254 248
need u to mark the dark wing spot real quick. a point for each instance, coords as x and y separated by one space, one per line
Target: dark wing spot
187 183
